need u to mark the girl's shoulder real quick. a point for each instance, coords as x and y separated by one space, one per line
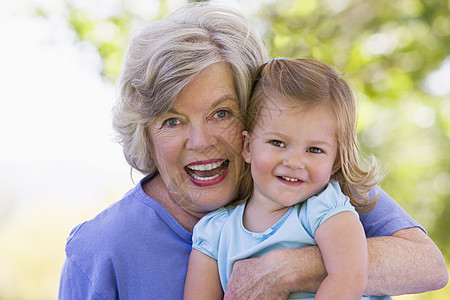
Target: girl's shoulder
207 232
218 217
329 198
329 202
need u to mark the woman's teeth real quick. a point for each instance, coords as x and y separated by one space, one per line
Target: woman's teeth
210 171
206 178
206 167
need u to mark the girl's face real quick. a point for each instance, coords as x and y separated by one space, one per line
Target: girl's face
292 152
197 144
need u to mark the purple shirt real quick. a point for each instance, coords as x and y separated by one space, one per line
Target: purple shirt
135 249
386 218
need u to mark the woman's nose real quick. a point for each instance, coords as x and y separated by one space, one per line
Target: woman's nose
200 138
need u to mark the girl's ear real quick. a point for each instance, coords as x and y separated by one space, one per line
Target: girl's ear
336 165
246 146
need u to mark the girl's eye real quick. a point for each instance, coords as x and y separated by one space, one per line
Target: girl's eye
277 143
221 114
172 122
315 150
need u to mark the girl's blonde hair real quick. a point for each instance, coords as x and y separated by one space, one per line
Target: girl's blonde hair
310 82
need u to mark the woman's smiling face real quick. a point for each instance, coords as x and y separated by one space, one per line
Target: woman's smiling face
197 144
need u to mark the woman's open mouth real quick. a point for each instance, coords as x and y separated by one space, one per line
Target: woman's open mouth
209 173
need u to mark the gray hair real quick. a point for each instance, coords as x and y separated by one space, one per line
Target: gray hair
166 55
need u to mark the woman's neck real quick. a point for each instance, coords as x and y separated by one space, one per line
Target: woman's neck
156 189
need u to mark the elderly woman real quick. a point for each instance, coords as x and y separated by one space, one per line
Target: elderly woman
183 92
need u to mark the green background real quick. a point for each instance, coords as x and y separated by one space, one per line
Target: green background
396 54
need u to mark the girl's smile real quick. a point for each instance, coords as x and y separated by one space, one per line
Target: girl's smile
292 152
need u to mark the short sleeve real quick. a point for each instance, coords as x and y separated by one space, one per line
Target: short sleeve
206 234
387 217
324 205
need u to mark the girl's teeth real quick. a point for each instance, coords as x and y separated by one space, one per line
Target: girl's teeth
290 179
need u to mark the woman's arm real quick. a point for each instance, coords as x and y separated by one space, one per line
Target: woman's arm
202 280
406 262
343 246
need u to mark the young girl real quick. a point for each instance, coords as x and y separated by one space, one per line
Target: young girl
302 150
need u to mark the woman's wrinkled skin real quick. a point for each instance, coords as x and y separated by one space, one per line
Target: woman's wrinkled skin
197 144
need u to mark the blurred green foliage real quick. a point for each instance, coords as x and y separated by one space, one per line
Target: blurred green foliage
387 48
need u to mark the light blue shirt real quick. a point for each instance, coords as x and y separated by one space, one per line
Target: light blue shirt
222 236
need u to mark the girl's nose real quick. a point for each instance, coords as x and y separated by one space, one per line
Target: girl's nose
294 159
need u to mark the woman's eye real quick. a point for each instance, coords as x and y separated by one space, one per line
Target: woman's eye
172 122
220 114
277 143
315 150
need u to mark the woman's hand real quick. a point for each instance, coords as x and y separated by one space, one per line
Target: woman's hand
274 275
252 279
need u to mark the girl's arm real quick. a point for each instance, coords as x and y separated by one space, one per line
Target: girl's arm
342 243
202 280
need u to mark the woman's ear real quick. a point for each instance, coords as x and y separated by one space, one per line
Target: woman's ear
246 146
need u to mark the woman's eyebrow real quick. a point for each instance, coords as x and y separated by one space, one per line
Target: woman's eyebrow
172 111
226 97
218 102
